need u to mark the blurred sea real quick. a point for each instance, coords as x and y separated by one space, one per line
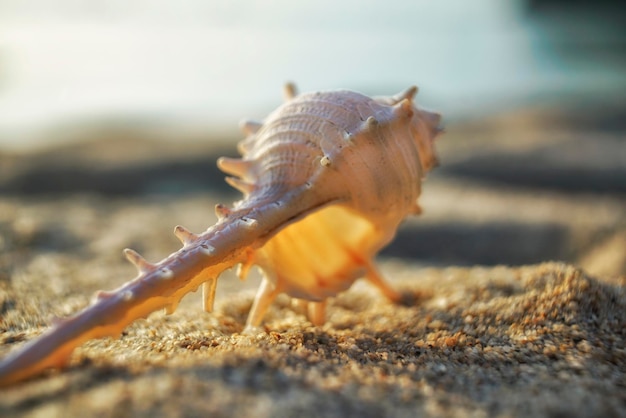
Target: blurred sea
206 64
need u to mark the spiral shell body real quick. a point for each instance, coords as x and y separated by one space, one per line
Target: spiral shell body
350 168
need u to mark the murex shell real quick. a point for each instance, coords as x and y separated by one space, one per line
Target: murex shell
327 178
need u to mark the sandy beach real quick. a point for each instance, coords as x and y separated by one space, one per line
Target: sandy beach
518 267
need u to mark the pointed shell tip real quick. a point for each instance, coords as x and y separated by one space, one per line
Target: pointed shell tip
244 187
250 127
184 235
221 211
136 259
289 91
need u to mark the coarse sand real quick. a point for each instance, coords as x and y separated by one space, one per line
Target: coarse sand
545 339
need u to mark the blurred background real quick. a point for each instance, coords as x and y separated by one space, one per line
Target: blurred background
117 99
206 64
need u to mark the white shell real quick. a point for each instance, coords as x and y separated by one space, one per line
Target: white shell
347 169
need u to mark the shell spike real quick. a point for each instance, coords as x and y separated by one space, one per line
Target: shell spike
242 271
370 123
289 91
184 235
404 108
141 263
234 166
250 127
397 98
406 94
221 211
243 186
171 308
208 294
244 268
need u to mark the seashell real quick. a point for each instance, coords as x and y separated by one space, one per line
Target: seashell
326 180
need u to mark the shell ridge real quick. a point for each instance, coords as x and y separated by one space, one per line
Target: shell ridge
403 160
409 155
243 186
327 105
275 148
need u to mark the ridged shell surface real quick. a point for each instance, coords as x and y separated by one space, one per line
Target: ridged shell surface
355 162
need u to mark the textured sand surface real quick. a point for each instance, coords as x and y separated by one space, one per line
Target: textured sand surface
543 339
